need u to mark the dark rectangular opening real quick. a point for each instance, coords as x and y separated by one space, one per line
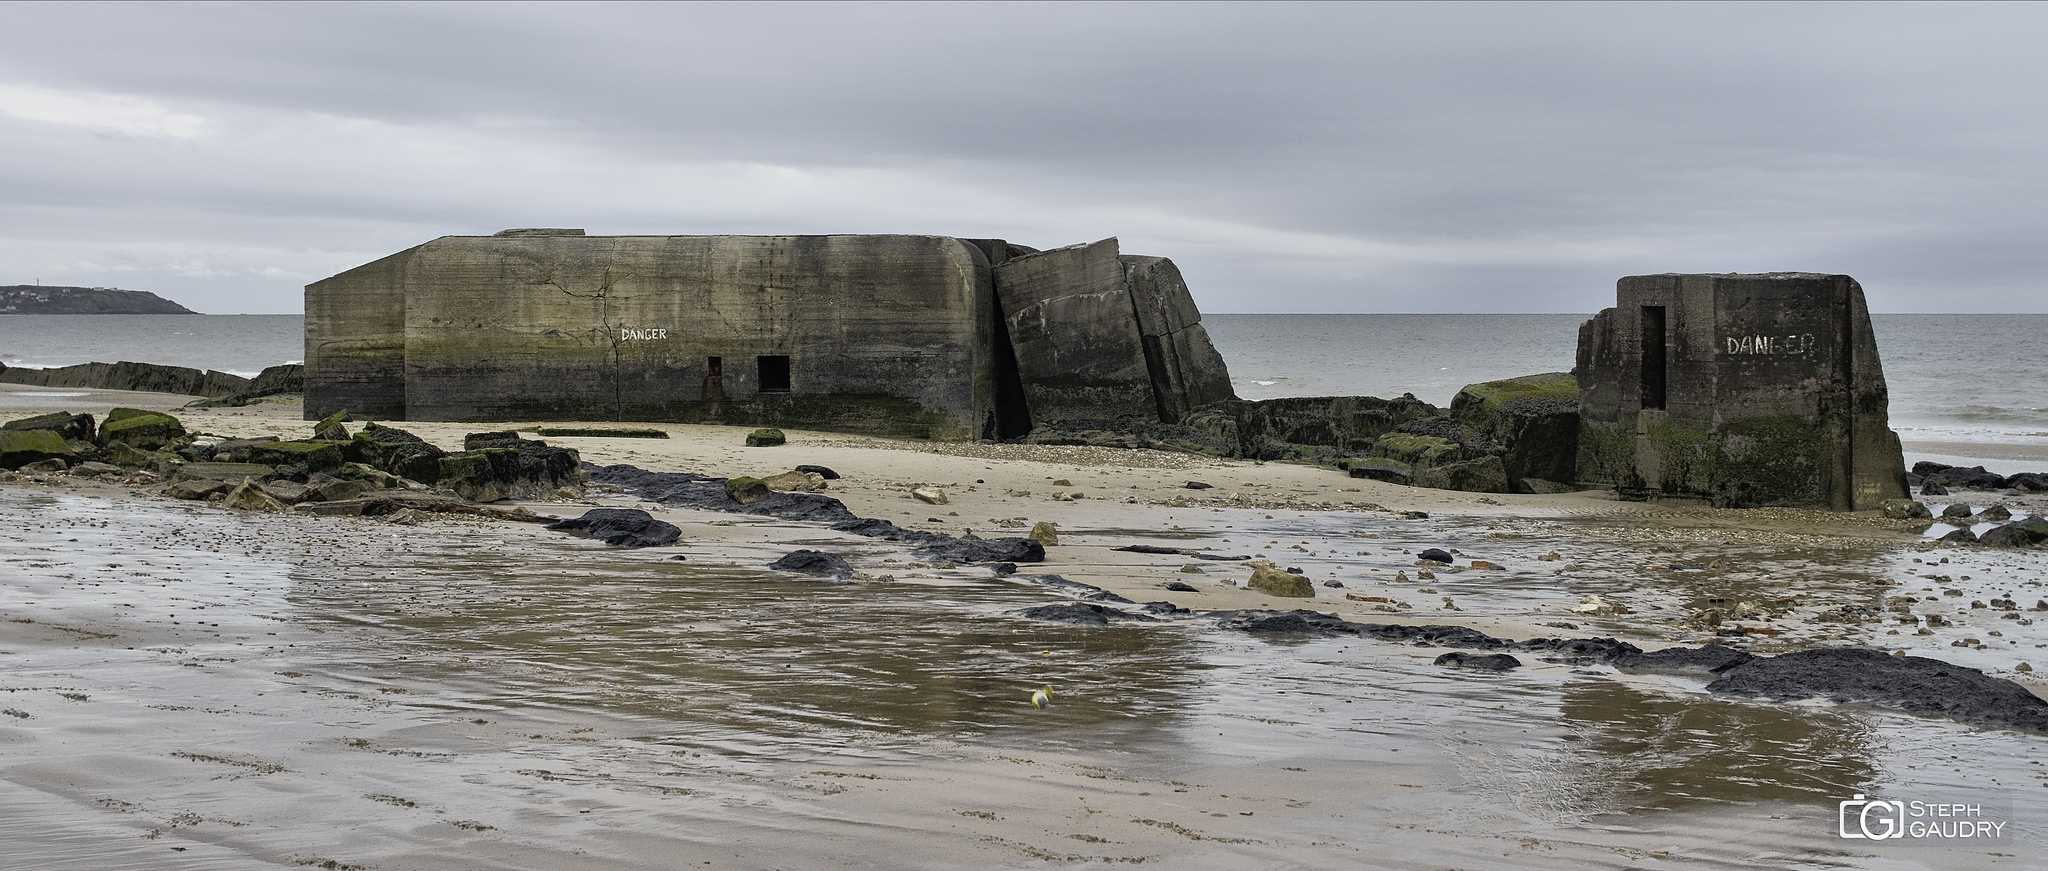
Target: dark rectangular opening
774 374
1012 415
1654 370
714 379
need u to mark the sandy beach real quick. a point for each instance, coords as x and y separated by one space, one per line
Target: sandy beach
192 687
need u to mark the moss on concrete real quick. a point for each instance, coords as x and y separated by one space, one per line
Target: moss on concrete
147 430
1417 450
319 456
19 448
1769 461
1478 402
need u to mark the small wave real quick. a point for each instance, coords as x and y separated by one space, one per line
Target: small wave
1994 413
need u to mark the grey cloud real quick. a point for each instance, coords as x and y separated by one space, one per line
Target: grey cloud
1476 157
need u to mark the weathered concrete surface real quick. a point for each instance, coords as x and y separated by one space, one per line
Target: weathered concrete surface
143 377
1073 325
1535 421
1185 369
887 334
897 335
1100 336
1312 428
1742 390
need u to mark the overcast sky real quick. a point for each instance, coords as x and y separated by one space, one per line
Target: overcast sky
1307 158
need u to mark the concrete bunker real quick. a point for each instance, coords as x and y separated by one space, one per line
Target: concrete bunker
1740 390
915 336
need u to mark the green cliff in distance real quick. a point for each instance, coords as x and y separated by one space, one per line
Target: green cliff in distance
30 299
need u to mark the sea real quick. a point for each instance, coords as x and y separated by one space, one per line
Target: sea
1967 378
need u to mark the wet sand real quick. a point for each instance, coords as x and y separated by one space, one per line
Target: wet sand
188 687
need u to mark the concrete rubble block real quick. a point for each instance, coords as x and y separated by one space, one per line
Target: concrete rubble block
197 488
766 438
20 448
1311 428
747 490
229 472
1533 418
395 451
1737 390
68 426
249 496
235 450
1074 330
144 430
330 428
1185 369
501 465
317 456
1484 475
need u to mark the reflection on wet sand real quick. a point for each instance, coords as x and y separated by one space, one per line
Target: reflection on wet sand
198 689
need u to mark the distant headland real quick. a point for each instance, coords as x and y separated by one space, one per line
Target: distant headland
34 299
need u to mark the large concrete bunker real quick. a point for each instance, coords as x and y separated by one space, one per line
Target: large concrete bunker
918 336
1743 390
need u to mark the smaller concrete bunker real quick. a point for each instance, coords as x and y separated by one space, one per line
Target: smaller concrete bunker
1741 390
913 336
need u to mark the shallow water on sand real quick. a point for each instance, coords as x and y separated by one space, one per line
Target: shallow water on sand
189 688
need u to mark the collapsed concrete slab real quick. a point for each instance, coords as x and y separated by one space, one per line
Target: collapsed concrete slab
1741 390
918 336
1101 336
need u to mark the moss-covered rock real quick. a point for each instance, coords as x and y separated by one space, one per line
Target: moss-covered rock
128 456
1477 404
395 451
1416 450
505 466
746 491
146 430
68 426
19 448
765 438
1534 422
1484 475
317 456
1274 582
330 428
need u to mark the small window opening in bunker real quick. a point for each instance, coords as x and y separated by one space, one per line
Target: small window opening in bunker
1654 373
774 374
714 379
